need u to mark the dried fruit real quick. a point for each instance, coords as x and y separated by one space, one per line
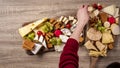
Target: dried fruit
110 46
68 26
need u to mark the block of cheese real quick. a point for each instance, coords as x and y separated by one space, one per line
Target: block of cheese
28 28
110 9
107 38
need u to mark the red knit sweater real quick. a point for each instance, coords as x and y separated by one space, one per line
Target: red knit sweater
69 56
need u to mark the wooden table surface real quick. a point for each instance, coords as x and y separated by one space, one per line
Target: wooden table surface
13 13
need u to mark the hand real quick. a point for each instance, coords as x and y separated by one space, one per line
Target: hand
82 15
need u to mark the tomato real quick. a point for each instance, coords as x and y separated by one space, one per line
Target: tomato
99 7
95 6
39 33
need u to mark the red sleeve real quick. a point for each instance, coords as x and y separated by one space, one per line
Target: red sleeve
69 56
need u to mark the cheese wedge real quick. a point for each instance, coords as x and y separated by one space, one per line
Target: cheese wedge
96 12
66 31
110 9
44 44
41 39
28 28
64 38
117 12
37 48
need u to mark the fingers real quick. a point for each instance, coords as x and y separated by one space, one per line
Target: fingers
80 7
86 6
83 6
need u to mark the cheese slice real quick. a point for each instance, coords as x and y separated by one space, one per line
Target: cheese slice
28 28
110 9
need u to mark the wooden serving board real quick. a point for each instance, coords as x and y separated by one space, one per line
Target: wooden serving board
94 60
49 50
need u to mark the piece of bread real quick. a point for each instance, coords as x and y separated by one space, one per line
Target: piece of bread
94 34
28 44
90 46
100 46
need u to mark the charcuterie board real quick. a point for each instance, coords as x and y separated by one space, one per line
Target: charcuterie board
102 29
50 34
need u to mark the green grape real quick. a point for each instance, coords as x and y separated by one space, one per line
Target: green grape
59 41
99 28
31 36
51 28
45 28
103 29
53 41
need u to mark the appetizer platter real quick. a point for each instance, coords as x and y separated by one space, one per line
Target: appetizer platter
47 34
50 34
102 29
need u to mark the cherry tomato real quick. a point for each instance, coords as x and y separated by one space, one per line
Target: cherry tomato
99 7
95 6
39 33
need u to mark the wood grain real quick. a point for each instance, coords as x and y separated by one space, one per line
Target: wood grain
13 13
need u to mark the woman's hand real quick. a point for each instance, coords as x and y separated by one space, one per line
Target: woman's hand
83 18
82 15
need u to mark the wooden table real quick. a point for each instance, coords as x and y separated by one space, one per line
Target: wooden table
13 13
